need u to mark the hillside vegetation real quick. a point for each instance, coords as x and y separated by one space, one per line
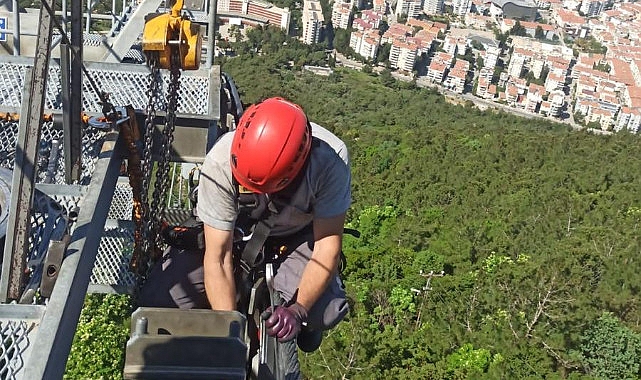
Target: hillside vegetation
530 231
492 246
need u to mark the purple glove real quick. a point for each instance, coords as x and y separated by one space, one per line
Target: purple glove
284 322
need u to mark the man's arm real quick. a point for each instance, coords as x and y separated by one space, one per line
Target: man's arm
219 269
328 238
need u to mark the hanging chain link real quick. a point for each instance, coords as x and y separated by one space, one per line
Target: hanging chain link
148 244
162 172
142 232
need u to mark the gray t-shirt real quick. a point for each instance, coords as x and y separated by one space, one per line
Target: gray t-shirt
324 192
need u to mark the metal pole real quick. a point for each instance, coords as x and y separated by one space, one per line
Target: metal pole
113 14
73 129
64 15
24 174
55 334
16 28
88 26
211 33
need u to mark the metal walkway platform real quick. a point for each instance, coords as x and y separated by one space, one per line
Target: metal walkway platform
100 198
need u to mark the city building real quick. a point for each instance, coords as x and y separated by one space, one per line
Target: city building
433 7
373 17
571 22
253 12
455 79
591 8
409 8
436 72
402 55
534 97
461 7
312 22
516 66
629 119
365 43
380 6
341 14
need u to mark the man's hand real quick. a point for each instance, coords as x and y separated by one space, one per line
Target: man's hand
284 322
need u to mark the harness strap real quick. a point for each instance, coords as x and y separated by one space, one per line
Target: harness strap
252 249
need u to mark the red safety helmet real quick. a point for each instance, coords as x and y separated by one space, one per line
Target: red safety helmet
270 146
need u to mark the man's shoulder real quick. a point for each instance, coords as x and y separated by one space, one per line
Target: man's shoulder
332 141
221 148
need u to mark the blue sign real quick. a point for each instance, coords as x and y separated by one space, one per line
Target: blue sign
3 25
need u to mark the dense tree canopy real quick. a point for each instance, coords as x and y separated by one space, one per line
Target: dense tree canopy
491 245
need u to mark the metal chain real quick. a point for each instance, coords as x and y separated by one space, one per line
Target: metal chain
162 173
140 258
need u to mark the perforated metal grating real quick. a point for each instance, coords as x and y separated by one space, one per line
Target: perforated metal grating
125 84
91 143
116 245
13 345
112 261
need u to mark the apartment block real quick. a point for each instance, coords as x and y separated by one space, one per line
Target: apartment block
433 7
628 118
461 7
591 8
403 55
516 65
450 45
380 6
365 43
436 72
373 17
534 97
410 8
554 82
557 101
341 14
482 87
312 22
257 10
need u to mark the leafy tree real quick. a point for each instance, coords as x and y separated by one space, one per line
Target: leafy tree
103 330
383 53
477 45
518 30
382 27
611 351
539 33
467 360
602 67
341 40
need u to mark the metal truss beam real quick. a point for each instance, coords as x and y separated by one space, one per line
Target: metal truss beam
48 358
24 177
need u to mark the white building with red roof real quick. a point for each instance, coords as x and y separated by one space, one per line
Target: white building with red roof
402 55
628 118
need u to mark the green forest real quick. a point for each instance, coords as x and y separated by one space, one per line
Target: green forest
492 246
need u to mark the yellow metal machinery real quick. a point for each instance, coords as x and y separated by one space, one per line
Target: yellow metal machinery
164 31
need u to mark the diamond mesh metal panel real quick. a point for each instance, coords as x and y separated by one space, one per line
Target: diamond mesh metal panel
14 342
122 203
112 260
129 87
91 143
126 84
116 245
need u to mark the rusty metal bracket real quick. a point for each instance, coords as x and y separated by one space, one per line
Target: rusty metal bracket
52 264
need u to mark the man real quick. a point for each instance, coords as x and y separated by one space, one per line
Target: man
303 170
